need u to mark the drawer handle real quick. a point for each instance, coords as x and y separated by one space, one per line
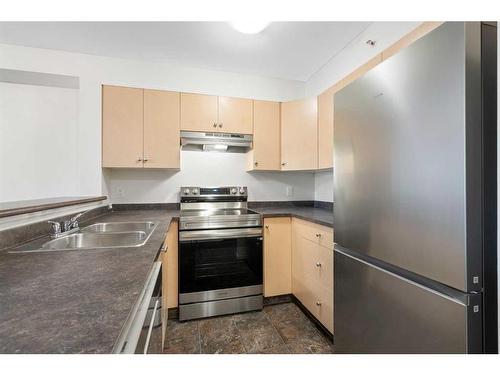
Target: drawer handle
318 264
318 303
318 235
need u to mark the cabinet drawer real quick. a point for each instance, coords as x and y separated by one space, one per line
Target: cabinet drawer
318 299
318 234
313 262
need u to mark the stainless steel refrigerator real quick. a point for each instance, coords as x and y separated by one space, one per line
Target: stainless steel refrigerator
415 199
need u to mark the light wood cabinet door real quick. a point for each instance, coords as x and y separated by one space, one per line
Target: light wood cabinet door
199 112
161 129
235 115
172 260
277 256
299 135
122 127
265 155
325 130
164 293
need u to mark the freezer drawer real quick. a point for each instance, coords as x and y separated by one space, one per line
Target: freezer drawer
377 311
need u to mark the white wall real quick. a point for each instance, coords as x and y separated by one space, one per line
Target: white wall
93 71
207 169
323 186
38 142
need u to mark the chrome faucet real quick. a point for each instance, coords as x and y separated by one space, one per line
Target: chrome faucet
62 228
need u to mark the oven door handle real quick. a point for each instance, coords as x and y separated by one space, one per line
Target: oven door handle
217 234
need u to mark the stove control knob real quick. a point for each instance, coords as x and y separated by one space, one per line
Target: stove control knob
234 190
186 191
242 190
194 191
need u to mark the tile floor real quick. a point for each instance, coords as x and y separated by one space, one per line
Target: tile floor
278 329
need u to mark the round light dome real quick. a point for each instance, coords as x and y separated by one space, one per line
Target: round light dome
249 27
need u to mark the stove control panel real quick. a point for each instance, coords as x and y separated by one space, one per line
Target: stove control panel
225 191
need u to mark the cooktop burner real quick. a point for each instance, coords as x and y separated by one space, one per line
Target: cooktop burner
221 212
216 208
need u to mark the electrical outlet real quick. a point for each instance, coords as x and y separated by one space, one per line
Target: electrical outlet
121 193
289 191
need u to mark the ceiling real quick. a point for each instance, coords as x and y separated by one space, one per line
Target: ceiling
287 50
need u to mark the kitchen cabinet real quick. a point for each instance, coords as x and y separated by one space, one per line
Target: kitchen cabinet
122 127
161 129
169 290
299 135
208 113
172 256
265 154
235 115
312 269
140 128
277 256
199 112
325 129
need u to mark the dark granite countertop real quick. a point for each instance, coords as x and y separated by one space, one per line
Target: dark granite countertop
75 301
314 214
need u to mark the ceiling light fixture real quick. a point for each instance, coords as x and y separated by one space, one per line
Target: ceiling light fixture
249 27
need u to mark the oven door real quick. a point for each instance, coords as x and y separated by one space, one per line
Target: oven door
212 260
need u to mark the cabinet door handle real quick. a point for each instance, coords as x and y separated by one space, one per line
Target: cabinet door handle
318 303
146 159
220 125
139 159
267 226
215 124
318 235
256 163
318 264
283 163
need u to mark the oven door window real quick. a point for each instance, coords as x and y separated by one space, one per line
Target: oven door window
219 264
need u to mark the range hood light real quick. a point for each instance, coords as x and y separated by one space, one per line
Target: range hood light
215 147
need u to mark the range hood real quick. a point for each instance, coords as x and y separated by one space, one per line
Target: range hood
213 141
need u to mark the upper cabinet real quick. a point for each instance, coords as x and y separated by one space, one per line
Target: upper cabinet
212 113
140 128
199 112
235 115
161 129
122 127
299 134
325 129
265 155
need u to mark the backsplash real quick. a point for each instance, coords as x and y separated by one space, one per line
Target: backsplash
207 169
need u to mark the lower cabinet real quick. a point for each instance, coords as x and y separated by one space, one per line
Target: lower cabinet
169 275
298 259
277 256
312 269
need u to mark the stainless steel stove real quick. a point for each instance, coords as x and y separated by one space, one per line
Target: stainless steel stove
220 253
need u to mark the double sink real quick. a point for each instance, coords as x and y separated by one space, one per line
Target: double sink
102 235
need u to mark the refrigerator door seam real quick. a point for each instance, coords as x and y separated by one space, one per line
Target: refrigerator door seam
401 278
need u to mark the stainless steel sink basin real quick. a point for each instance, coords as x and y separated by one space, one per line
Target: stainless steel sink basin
99 236
141 226
94 241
